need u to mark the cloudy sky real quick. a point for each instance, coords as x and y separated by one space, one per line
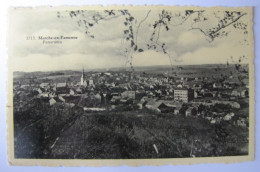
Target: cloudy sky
184 45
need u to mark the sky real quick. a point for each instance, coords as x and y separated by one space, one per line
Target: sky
184 45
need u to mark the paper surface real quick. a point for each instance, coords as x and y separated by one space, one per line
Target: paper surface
122 85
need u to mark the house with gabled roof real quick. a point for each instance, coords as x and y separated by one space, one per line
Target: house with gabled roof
44 85
61 88
54 100
177 110
153 105
191 111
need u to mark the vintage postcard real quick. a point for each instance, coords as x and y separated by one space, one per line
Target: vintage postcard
125 85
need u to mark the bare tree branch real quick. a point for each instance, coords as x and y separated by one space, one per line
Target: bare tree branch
212 34
158 34
185 19
224 26
136 35
196 28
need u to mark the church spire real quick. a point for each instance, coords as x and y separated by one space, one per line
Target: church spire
227 63
82 81
83 74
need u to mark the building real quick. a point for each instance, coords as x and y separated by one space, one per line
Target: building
61 88
239 93
228 116
91 83
83 81
73 91
242 122
44 85
40 90
177 110
191 111
183 94
154 105
141 104
128 94
217 85
54 100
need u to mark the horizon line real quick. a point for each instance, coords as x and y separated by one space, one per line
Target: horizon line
113 68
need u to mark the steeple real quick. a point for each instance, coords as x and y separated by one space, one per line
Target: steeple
82 77
227 64
83 74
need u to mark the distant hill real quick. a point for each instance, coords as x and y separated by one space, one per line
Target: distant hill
169 67
162 68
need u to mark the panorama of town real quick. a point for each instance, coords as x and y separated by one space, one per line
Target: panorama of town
186 111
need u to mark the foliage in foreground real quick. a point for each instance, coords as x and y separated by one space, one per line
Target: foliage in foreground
66 133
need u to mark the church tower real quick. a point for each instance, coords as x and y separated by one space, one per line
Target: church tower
83 80
227 64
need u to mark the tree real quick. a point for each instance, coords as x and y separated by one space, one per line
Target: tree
212 24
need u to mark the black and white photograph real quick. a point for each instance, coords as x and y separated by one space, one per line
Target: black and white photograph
130 83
